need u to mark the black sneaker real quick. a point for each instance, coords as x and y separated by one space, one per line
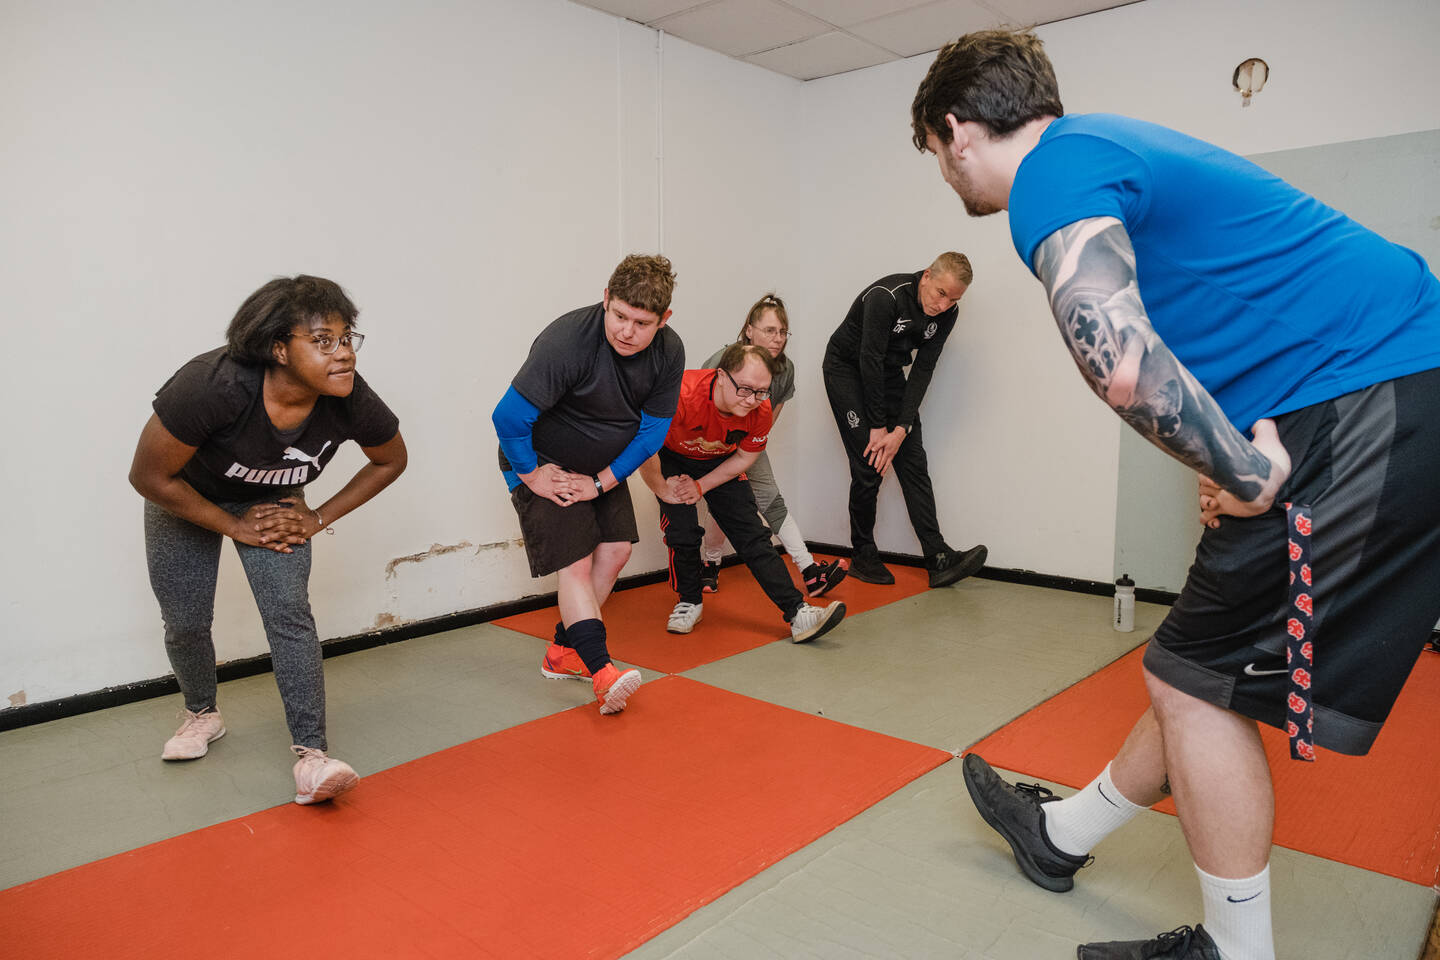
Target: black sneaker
866 567
1015 814
821 578
1182 943
710 578
947 568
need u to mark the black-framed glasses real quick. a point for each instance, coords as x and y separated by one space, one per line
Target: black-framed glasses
745 392
327 344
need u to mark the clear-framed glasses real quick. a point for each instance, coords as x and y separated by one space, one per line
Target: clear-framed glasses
745 392
773 333
327 344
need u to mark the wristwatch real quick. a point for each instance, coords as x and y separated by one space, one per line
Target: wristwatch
599 487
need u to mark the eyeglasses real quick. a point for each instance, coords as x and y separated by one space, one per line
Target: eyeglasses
327 344
745 392
773 333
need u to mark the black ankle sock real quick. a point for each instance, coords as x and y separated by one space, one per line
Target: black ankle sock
560 636
588 639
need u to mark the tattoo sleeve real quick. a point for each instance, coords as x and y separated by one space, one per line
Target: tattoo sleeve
1088 269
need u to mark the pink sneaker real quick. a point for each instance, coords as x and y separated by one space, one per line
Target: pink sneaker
192 741
319 778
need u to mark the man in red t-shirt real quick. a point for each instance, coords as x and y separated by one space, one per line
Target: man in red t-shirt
719 428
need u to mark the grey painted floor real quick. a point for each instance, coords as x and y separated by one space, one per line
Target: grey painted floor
918 875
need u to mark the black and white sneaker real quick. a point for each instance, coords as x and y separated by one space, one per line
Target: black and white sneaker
1182 943
947 567
710 578
1014 812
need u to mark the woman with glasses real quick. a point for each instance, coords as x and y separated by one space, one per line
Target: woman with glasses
768 326
236 435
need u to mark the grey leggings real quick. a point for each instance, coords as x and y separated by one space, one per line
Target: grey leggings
184 560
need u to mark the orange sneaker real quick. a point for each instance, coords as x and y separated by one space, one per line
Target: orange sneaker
613 688
563 663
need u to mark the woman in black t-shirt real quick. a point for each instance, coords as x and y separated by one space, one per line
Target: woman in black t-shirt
236 434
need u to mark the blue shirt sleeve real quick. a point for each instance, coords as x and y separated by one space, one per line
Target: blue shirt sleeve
514 417
1073 177
642 447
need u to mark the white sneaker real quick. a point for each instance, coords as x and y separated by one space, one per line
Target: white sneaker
192 741
684 617
318 777
811 622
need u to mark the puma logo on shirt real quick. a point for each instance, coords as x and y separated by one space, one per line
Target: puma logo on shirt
293 453
290 477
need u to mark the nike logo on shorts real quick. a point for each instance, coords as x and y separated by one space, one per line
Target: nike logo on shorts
1252 672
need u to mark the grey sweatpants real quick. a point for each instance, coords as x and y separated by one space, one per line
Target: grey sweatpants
184 561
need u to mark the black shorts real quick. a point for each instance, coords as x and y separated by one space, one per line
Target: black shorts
557 536
1368 463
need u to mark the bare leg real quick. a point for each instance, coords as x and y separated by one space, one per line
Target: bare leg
577 592
1220 780
1138 770
609 559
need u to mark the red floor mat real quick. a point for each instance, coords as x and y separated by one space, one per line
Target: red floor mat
738 618
574 835
1380 812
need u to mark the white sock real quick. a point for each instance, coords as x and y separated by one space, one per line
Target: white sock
790 536
1077 823
712 548
1237 915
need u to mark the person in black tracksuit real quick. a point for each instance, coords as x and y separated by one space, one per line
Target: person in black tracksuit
877 408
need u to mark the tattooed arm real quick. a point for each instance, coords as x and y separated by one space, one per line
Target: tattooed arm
1088 269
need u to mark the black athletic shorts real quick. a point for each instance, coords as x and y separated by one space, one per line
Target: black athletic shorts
1368 463
557 536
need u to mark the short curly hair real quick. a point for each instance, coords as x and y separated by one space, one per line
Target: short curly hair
644 281
1000 78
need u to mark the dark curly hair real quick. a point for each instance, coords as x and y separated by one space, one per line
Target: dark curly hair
273 311
1000 78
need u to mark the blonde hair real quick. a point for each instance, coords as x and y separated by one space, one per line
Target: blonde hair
955 265
767 302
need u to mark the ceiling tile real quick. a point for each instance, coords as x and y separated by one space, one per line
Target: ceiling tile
926 28
742 27
822 56
1034 12
642 11
843 13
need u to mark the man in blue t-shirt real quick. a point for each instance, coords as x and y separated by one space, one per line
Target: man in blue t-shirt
1201 296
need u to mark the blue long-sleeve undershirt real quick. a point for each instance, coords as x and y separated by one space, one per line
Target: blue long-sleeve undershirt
514 419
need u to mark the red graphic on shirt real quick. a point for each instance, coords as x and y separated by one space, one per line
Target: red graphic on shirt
1304 604
1295 628
1305 748
1297 703
1301 676
1294 550
701 431
1290 728
1305 574
1302 525
1307 650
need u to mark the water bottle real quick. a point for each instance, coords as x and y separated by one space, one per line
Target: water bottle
1125 604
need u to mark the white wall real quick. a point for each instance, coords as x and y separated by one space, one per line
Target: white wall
470 170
